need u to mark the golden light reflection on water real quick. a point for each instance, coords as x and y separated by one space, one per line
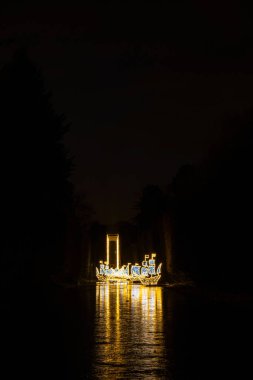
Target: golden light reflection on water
129 332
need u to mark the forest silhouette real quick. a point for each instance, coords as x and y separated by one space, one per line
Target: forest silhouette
37 196
200 227
206 213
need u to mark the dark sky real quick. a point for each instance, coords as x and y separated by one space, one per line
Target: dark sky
147 87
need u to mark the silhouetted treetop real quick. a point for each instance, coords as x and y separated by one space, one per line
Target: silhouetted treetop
37 193
151 204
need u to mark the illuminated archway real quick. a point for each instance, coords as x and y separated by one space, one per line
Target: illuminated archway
112 238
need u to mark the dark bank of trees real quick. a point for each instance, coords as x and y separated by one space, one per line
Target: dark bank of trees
154 225
43 223
39 218
202 226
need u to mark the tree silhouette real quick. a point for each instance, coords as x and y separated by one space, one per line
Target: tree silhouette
212 211
35 168
154 225
202 226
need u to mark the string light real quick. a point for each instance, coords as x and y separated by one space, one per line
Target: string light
146 274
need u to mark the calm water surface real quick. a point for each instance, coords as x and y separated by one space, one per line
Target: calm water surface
135 332
126 332
129 332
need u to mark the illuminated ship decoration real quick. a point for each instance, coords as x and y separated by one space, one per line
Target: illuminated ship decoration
147 273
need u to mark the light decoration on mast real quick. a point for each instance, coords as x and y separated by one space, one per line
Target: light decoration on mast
147 273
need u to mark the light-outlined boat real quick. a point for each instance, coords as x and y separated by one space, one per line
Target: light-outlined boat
147 274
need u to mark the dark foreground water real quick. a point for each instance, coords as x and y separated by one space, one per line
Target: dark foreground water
126 332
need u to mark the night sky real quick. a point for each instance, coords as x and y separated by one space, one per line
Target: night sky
147 87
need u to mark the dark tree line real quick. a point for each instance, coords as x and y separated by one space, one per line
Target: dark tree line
44 226
202 225
38 209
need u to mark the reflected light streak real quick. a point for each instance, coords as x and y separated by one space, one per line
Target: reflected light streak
129 332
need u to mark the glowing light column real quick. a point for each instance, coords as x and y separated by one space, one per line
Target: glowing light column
117 242
115 238
107 249
110 270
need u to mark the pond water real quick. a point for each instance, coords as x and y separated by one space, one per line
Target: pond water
129 331
135 332
103 331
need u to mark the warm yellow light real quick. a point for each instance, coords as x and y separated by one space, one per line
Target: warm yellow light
145 274
107 249
145 307
115 238
117 251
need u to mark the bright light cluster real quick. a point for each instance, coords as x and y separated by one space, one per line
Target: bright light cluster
146 274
